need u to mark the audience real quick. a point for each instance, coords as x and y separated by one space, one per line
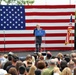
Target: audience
38 64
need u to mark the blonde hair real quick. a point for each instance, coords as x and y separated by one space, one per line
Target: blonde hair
60 55
32 70
66 71
57 70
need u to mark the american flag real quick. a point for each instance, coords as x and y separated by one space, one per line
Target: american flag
18 22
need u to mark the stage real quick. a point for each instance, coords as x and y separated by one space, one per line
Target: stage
54 53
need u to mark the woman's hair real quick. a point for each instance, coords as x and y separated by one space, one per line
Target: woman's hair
41 64
66 71
18 64
32 70
57 70
60 55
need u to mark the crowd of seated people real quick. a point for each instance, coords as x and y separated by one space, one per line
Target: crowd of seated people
38 64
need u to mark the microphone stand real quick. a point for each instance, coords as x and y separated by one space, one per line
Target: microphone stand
44 43
44 51
35 45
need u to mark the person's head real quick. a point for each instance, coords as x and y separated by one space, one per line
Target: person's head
38 72
63 64
73 55
10 54
71 65
18 64
56 70
28 57
60 56
48 55
6 56
32 70
41 57
14 58
52 63
66 71
8 63
67 58
38 26
22 70
13 71
41 64
74 60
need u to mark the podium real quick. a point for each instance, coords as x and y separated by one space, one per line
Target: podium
40 33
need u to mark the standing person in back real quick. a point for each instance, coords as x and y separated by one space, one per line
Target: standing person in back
38 39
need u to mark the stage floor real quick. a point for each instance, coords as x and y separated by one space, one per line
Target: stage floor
54 53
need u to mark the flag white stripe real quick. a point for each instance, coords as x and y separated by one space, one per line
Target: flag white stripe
33 38
33 45
2 46
48 24
31 31
47 17
51 10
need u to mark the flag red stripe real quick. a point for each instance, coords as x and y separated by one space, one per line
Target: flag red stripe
33 42
33 49
47 21
50 6
1 35
50 27
31 35
57 34
60 48
48 13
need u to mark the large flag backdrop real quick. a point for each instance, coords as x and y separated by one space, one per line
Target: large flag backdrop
18 22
